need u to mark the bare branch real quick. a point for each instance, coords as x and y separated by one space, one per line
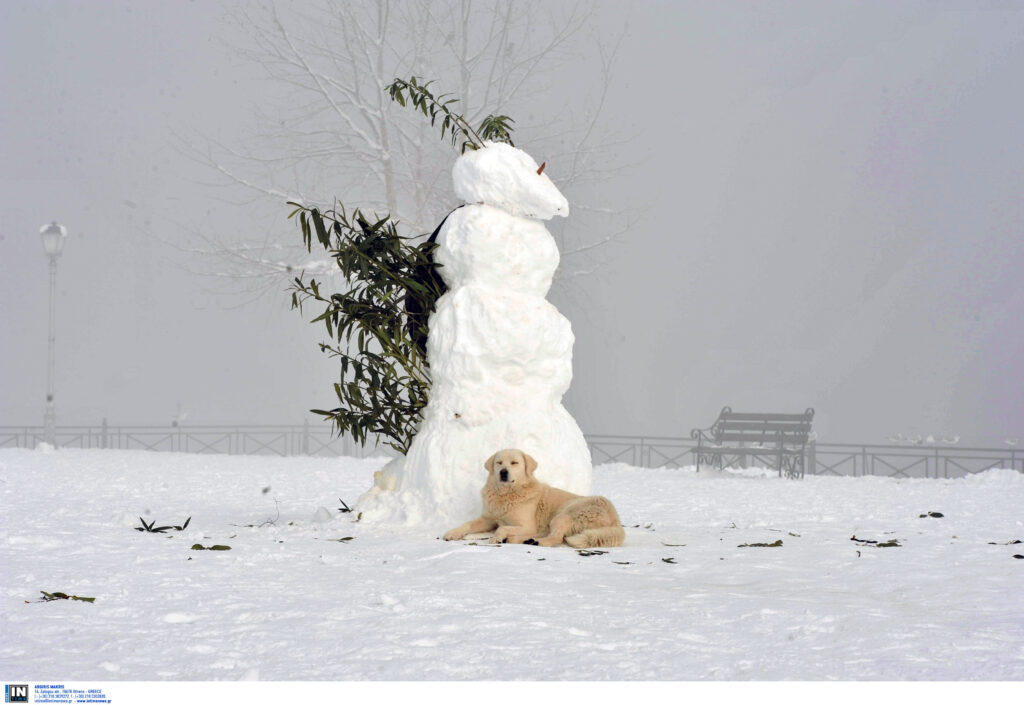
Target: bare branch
336 134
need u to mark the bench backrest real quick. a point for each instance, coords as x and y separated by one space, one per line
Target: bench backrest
776 429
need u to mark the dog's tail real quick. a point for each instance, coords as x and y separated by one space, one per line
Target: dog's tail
592 538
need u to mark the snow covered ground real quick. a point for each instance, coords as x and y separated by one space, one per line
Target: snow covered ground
684 599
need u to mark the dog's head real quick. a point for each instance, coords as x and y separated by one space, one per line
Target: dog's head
510 467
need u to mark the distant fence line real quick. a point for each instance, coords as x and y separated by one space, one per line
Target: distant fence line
846 459
282 439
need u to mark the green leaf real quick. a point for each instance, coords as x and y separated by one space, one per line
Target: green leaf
773 544
51 596
321 231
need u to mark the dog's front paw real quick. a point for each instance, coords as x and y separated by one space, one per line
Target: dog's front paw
549 541
454 535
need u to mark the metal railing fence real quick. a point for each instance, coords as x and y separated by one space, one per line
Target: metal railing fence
845 459
281 439
909 461
641 451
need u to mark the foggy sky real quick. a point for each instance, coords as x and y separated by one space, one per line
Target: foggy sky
831 217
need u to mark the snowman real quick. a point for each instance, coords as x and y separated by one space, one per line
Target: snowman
500 354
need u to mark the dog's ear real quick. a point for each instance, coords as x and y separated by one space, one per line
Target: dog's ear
531 464
489 463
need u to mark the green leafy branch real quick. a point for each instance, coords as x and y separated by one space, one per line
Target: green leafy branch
52 596
495 128
378 326
415 92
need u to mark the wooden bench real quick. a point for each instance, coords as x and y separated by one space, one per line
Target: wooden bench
736 437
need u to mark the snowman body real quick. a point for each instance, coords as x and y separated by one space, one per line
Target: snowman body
500 354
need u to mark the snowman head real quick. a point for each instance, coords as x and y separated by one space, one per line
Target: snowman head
502 176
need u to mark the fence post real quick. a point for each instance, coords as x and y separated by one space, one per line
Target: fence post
103 433
305 436
812 457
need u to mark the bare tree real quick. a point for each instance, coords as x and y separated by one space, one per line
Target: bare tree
339 136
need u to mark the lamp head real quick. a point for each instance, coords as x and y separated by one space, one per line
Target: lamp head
53 236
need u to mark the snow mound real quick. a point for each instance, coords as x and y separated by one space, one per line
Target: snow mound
996 476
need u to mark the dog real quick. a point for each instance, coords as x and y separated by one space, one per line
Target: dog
521 509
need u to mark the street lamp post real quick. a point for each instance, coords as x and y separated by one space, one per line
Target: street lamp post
53 236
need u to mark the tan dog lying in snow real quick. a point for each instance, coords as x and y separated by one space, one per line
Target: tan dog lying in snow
525 510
